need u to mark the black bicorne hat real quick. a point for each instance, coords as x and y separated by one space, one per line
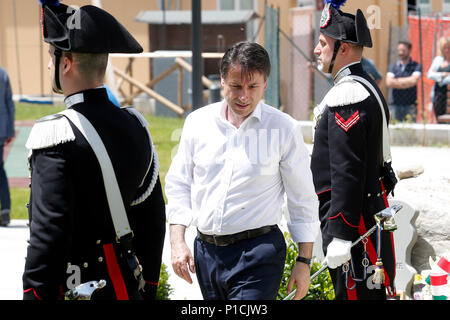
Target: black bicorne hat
344 26
88 29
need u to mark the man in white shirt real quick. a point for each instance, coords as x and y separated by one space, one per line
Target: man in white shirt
235 162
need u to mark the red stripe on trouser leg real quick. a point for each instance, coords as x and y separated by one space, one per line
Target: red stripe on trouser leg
386 203
114 272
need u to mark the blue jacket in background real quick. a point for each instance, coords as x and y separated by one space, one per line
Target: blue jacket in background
7 109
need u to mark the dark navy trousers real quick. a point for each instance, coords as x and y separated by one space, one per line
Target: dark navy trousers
247 270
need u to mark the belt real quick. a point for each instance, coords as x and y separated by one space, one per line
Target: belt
228 239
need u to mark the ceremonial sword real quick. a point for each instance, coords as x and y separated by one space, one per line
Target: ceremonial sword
84 291
383 216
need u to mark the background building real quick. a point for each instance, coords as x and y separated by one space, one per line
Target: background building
25 56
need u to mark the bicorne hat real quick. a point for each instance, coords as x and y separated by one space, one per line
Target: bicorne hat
88 29
345 27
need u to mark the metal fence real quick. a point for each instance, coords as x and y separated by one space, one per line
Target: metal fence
271 40
296 51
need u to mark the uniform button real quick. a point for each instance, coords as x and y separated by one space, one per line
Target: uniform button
98 241
100 259
85 265
378 195
369 195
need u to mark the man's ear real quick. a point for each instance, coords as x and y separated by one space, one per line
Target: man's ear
67 63
345 47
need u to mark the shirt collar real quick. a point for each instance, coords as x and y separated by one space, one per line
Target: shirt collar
257 113
400 63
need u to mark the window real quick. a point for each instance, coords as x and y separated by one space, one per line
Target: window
424 5
241 5
237 4
446 6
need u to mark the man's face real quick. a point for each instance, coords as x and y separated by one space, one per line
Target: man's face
243 91
324 52
446 51
403 52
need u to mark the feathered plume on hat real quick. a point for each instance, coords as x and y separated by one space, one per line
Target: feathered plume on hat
335 3
49 2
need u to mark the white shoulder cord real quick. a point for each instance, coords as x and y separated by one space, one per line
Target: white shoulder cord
114 197
386 139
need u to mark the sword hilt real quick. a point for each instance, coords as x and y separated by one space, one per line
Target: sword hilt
84 291
381 216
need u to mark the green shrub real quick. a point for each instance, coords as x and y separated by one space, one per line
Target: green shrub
164 289
321 288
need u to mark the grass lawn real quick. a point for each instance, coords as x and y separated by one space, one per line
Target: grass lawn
164 131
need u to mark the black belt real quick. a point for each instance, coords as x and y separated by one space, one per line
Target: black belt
228 239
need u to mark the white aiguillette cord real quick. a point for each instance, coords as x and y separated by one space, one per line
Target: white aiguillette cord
115 202
386 139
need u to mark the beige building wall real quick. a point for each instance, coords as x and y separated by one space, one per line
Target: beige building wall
32 54
32 57
380 15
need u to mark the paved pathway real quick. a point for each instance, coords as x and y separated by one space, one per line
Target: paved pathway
15 156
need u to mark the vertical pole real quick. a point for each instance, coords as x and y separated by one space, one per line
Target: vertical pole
197 63
421 61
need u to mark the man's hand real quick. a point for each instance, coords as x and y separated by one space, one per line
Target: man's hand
300 277
182 260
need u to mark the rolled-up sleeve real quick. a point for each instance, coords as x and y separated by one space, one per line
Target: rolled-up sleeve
178 181
302 202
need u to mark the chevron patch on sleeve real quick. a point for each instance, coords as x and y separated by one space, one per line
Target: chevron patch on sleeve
347 124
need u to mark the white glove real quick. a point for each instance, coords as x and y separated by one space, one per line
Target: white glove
338 253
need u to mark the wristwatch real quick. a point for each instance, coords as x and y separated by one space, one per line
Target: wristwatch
304 260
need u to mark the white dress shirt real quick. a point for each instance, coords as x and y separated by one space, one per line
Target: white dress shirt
226 180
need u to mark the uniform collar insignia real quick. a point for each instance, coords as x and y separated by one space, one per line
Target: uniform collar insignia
74 99
345 71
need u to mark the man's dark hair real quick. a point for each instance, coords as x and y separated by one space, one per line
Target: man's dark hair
406 43
249 55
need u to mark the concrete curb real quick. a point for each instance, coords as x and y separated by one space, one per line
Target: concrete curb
404 134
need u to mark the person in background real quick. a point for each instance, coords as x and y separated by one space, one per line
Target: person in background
7 113
369 66
402 78
440 73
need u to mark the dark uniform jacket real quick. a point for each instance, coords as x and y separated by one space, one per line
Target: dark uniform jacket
346 164
72 238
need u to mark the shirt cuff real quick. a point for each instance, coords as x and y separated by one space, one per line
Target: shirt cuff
304 232
177 215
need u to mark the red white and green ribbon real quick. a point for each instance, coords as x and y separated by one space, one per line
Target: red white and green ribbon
438 279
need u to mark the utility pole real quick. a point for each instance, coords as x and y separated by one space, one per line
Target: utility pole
197 61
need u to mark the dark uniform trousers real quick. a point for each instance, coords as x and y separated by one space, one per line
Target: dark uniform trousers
72 237
346 164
